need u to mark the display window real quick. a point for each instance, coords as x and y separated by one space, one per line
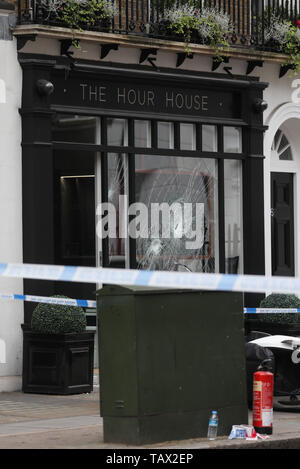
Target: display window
174 189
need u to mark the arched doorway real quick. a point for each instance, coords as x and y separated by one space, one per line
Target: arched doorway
282 206
282 171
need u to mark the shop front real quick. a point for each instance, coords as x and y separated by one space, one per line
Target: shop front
135 141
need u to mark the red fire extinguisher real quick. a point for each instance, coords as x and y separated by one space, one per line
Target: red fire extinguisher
263 385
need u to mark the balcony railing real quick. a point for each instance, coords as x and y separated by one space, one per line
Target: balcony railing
249 18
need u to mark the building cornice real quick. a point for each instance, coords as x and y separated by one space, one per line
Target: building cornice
134 41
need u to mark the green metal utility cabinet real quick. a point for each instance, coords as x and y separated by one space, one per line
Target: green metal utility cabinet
167 358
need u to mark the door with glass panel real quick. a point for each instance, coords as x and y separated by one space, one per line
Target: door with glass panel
74 171
282 227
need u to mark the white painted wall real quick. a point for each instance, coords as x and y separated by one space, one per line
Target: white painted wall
11 313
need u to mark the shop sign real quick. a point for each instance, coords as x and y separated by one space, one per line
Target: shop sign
148 98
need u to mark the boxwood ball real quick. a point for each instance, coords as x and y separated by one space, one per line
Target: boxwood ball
58 319
279 300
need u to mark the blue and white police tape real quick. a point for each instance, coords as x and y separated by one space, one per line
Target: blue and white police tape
270 310
159 279
49 300
92 304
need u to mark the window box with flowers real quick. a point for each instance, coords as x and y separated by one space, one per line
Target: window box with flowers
181 21
214 28
206 26
284 36
79 14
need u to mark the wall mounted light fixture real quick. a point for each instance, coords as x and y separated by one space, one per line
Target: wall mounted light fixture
44 87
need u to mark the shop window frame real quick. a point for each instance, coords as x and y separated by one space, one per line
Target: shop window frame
131 150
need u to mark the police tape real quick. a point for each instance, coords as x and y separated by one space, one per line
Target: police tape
49 300
93 304
271 310
159 279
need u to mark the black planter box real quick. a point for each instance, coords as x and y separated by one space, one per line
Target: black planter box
290 329
167 359
57 363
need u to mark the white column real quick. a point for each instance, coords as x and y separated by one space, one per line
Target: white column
11 313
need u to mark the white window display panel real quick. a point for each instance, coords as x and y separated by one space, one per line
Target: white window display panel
232 139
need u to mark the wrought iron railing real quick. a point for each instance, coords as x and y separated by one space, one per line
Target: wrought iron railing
249 18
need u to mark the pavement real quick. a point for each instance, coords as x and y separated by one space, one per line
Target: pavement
38 421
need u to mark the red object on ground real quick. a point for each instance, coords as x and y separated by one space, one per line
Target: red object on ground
263 386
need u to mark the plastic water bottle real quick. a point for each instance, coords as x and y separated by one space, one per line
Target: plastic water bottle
213 426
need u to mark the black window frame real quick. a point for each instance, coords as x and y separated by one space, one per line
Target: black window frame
131 150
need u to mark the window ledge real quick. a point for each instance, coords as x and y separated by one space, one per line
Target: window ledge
59 33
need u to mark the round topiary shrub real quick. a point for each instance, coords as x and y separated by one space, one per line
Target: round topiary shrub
277 300
58 319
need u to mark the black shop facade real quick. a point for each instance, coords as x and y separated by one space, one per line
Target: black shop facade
129 136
